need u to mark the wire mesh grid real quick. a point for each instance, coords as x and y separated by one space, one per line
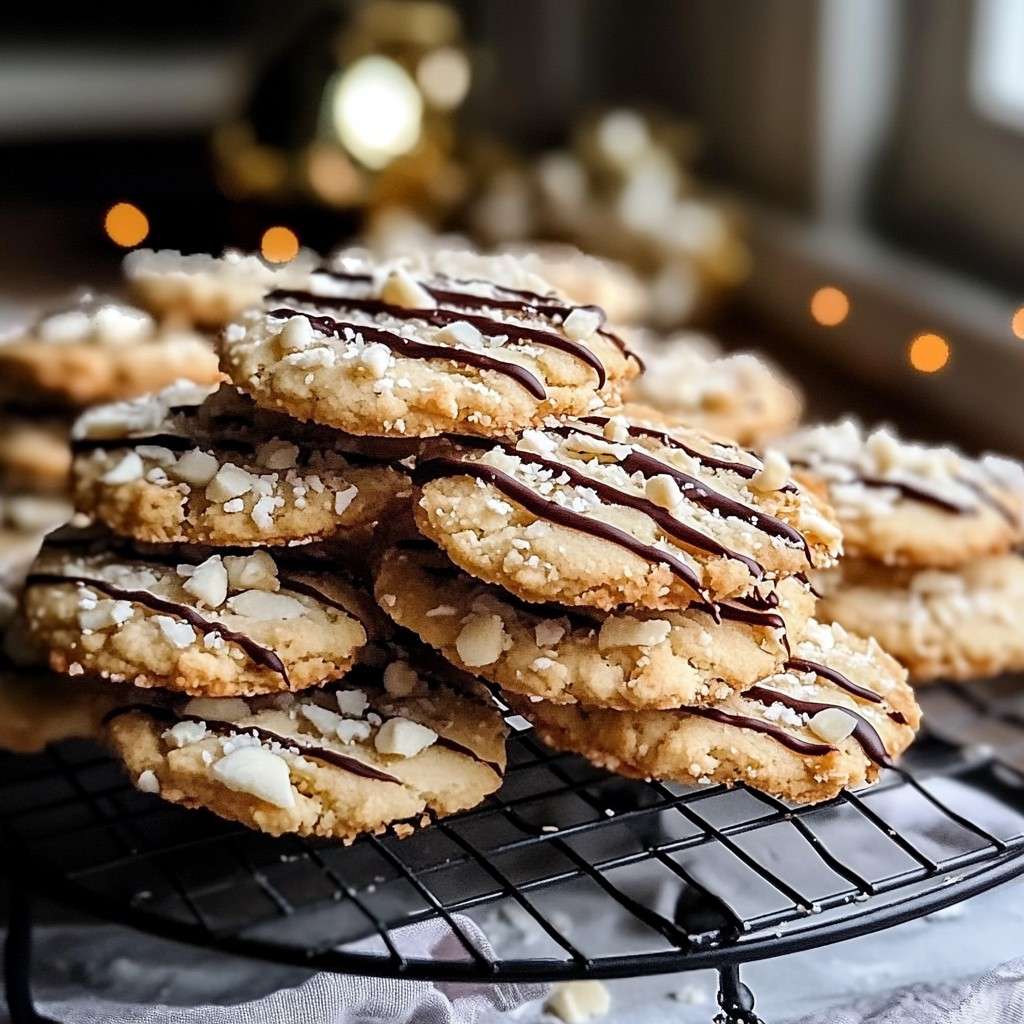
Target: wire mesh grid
570 871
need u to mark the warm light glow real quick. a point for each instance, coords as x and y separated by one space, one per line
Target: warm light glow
928 353
377 110
126 225
1017 323
279 245
829 306
444 77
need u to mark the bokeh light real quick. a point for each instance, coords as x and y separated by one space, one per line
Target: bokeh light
444 77
126 225
377 110
928 353
829 306
1017 323
279 245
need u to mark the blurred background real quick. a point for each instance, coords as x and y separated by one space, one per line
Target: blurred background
837 182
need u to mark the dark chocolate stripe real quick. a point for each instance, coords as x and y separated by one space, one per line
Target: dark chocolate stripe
988 498
332 757
256 652
419 350
446 466
699 492
803 665
777 733
863 732
442 317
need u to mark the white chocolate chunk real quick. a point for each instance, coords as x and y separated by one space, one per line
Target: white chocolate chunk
663 491
257 571
402 289
351 730
230 482
105 614
577 1001
626 631
208 584
342 499
178 634
774 473
195 468
351 703
263 605
481 640
129 468
581 323
832 724
185 733
296 334
325 720
156 453
460 333
257 772
403 738
375 359
400 679
147 782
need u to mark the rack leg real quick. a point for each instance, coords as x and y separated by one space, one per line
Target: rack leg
735 999
18 961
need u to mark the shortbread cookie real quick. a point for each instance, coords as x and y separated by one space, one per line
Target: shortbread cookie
392 350
329 763
739 395
34 453
98 350
911 504
209 291
803 734
213 469
232 625
626 659
965 623
600 512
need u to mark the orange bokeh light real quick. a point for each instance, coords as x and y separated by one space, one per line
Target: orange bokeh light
830 306
1017 323
928 353
279 245
126 225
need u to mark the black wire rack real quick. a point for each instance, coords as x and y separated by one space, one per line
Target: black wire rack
680 878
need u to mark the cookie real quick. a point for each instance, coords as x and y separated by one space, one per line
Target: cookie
964 623
389 349
209 291
739 395
227 626
188 465
803 734
34 453
624 659
604 511
327 763
911 504
99 350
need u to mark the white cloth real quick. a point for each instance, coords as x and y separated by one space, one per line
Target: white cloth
337 999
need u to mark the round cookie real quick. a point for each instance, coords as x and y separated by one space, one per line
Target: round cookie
328 763
209 291
34 453
389 349
99 350
964 623
227 626
188 465
739 395
911 504
625 660
606 511
789 735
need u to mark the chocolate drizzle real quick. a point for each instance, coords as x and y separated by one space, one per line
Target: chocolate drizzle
332 757
445 466
410 349
863 732
254 651
794 743
443 317
803 665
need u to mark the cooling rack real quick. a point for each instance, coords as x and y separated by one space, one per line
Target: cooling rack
679 878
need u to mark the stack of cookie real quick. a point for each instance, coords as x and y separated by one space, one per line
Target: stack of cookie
932 538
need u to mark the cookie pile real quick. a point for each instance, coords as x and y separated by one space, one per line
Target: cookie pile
94 349
932 567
